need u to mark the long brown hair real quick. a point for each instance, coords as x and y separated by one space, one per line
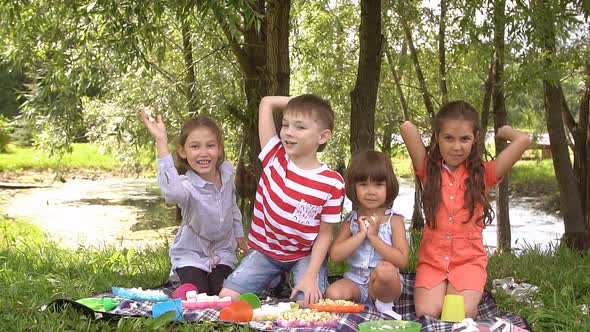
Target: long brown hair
373 165
200 121
475 193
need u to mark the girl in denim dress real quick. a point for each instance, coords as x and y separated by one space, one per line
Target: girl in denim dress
204 250
373 237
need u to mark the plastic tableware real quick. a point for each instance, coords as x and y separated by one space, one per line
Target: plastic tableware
161 308
99 304
180 292
453 308
252 299
240 311
390 325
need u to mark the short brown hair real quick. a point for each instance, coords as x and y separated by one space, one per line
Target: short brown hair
373 165
317 106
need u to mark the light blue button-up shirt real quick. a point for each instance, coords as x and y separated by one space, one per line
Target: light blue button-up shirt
211 219
365 258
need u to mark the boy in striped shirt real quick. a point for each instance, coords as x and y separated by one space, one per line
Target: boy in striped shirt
298 200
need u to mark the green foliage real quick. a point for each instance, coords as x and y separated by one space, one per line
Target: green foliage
4 135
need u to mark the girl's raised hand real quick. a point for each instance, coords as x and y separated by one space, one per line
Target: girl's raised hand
155 126
504 132
373 226
363 224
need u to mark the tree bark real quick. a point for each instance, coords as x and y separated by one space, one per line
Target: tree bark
190 80
364 94
575 235
499 106
277 47
252 59
418 68
442 63
397 81
485 107
277 50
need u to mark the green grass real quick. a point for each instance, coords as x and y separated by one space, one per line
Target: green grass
34 271
84 155
533 171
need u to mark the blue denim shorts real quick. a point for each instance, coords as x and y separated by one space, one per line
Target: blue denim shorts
257 270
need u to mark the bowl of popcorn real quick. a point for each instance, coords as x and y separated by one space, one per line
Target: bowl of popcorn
390 325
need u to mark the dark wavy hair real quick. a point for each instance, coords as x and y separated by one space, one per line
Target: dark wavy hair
475 193
200 121
373 165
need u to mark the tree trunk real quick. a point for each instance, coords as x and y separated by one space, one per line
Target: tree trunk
502 216
252 59
418 68
397 81
277 50
190 81
277 47
442 63
364 94
571 205
485 108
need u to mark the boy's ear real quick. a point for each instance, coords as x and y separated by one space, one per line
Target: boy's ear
325 136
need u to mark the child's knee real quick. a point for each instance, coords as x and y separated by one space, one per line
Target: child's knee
385 271
428 309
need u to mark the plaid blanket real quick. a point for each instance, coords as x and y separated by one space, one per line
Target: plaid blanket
487 312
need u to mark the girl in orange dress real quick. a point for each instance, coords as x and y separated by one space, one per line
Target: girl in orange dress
452 258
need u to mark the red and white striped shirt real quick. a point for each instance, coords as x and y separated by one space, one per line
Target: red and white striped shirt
290 203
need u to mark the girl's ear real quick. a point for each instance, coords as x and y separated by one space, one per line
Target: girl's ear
181 151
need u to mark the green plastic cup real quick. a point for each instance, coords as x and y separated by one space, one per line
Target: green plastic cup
390 325
453 308
252 299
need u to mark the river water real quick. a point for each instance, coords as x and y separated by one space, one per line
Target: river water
529 226
130 212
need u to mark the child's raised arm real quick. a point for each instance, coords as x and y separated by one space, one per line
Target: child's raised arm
266 125
519 142
158 131
414 144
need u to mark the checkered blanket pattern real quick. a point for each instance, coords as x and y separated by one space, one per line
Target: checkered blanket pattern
487 311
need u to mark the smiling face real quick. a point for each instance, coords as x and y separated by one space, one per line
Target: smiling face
455 140
202 151
301 134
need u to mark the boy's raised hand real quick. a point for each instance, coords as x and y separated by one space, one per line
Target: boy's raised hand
155 126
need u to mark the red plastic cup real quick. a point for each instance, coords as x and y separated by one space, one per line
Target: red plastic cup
240 311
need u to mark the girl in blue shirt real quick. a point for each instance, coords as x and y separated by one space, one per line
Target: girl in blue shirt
204 250
373 238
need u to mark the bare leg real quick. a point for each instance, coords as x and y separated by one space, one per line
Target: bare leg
470 297
384 284
344 289
430 301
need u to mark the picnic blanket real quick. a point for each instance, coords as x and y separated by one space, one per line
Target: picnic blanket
487 312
